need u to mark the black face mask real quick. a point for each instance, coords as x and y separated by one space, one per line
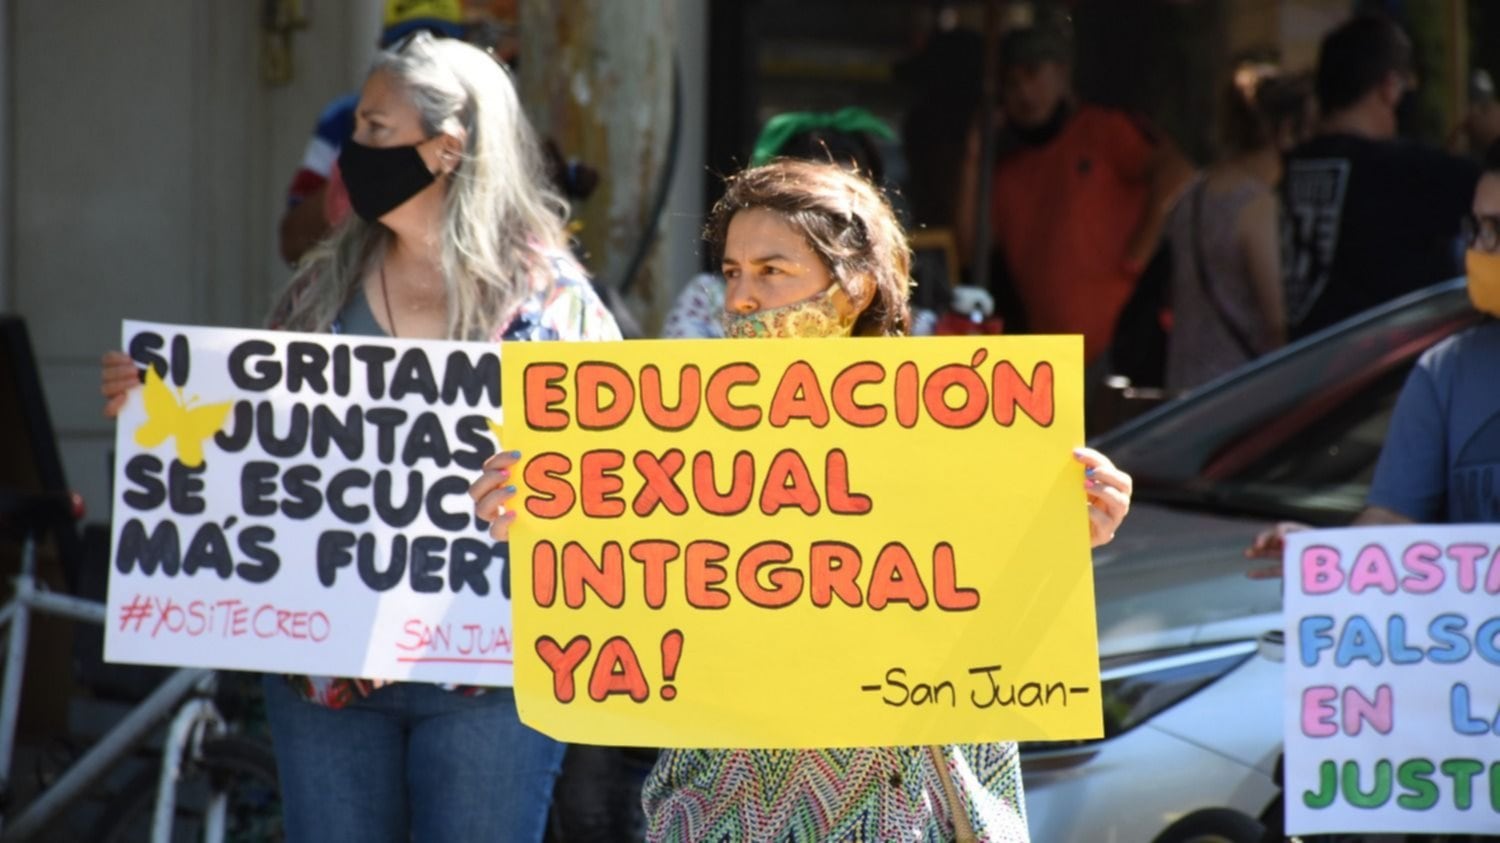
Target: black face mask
1042 134
381 179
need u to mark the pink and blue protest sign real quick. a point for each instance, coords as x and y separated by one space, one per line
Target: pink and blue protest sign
1393 680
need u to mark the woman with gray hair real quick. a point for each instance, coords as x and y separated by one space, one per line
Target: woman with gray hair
455 236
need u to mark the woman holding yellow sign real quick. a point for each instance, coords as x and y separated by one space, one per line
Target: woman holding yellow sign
812 250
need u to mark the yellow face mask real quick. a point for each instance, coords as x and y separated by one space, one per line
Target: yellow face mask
827 314
1484 281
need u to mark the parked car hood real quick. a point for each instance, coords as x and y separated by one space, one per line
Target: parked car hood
1174 577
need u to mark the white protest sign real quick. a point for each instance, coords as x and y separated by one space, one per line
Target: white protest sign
299 503
1393 680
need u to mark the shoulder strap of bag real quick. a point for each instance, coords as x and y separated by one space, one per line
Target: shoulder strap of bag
963 831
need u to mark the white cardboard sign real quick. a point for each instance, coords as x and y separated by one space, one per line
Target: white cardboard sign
299 503
1393 680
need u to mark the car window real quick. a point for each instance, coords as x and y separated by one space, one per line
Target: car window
1329 464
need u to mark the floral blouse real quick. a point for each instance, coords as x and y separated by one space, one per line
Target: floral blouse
877 794
563 307
698 311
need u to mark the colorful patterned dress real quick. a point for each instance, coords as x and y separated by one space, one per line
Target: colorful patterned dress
875 795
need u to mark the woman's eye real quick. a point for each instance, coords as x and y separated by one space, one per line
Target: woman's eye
731 274
771 270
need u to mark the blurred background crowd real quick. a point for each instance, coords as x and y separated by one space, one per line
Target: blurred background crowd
1111 169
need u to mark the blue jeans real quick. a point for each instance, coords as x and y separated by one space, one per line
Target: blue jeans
411 762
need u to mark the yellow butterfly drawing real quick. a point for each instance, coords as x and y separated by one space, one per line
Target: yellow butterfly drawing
167 415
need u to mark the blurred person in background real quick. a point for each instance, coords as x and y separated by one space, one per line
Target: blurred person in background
1370 217
1225 233
1079 199
944 77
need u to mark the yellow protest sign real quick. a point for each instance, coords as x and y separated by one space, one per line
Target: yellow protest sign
801 543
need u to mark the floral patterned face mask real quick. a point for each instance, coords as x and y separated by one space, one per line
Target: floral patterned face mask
827 314
1484 281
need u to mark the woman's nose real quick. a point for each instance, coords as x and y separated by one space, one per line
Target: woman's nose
737 298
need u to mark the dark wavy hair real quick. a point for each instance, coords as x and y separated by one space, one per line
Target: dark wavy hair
851 149
846 221
1254 117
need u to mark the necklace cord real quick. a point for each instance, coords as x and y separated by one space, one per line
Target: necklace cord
385 295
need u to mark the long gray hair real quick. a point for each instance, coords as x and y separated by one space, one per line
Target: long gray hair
500 220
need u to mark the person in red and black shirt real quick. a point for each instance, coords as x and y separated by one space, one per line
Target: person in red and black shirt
1079 198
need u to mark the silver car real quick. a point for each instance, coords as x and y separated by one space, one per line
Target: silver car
1192 694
